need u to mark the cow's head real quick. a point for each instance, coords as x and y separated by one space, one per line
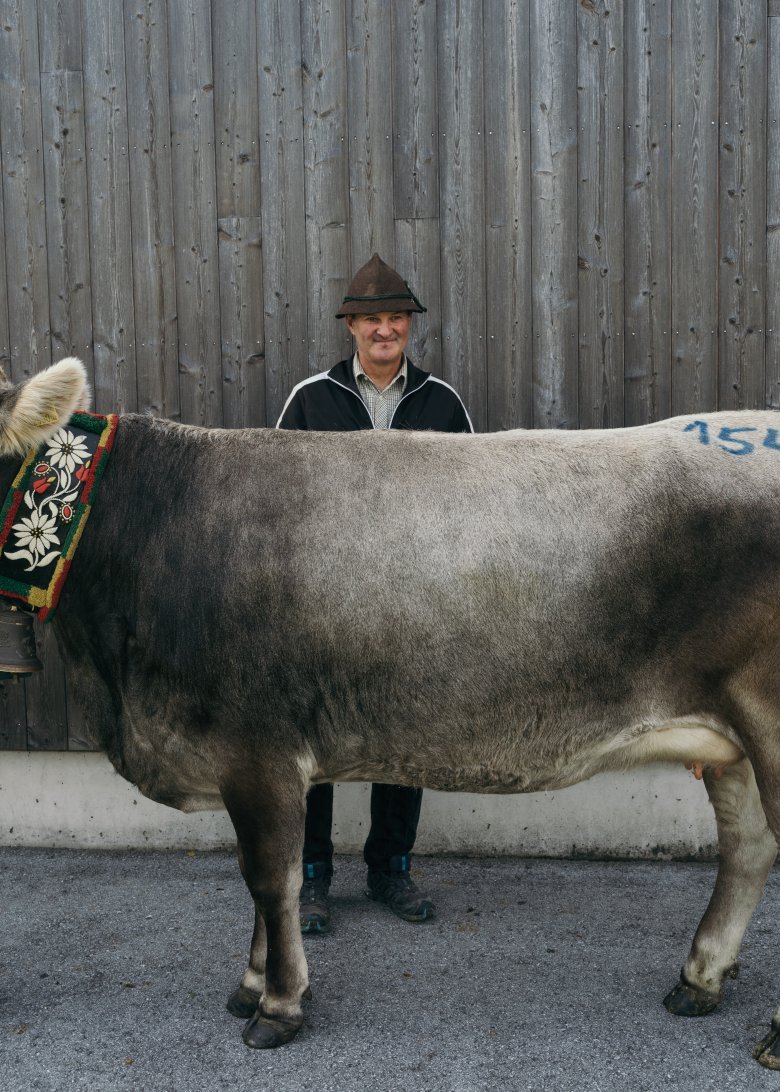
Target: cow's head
31 412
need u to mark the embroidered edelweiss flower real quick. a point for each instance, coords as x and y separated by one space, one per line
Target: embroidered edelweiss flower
36 532
67 450
34 535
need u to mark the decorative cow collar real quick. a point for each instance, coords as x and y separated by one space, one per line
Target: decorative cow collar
47 506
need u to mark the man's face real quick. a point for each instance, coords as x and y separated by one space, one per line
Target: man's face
381 338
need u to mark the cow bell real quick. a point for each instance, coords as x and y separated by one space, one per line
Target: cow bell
17 641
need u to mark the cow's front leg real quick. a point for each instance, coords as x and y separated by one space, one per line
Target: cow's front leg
747 852
244 1001
269 825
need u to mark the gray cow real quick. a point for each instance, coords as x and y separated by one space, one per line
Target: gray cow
239 615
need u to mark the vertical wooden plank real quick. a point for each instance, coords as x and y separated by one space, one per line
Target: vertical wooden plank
151 207
13 716
236 124
415 168
25 258
67 220
67 224
773 215
648 213
461 160
369 71
285 301
418 260
195 210
507 222
694 205
326 166
415 138
554 211
5 333
600 213
23 188
108 177
743 180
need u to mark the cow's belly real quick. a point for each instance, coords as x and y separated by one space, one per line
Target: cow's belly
507 769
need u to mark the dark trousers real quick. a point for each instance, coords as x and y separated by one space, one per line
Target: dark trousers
395 813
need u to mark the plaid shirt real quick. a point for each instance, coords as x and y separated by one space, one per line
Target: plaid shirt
380 404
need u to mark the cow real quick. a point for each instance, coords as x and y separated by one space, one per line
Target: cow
250 612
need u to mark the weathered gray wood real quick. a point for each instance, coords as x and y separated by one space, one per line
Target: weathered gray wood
285 296
70 289
27 288
773 215
743 181
13 705
694 209
5 333
508 291
415 114
236 125
23 188
599 217
195 207
151 207
369 70
418 260
67 218
325 132
554 211
773 8
648 198
59 35
13 716
241 318
461 158
108 175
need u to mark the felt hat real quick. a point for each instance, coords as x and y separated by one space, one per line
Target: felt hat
377 287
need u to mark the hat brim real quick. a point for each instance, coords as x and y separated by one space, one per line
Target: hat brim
375 306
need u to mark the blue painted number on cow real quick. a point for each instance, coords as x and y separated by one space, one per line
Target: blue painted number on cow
704 430
730 441
729 436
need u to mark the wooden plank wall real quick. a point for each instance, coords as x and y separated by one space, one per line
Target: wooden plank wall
586 196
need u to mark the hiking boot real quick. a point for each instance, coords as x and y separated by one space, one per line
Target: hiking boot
396 889
314 911
17 641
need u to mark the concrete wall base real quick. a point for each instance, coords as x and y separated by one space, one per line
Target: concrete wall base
77 800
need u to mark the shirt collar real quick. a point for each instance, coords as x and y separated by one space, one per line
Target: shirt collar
400 377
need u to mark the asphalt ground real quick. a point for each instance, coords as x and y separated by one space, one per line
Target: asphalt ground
536 974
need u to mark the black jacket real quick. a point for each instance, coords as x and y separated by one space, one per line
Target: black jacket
331 402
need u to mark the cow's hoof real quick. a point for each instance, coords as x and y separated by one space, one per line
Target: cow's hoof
767 1053
264 1032
243 1003
686 1000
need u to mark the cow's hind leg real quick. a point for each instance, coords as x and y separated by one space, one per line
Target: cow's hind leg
747 850
269 825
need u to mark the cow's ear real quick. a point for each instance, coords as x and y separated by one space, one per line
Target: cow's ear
31 413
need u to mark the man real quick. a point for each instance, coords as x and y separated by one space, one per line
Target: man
378 387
